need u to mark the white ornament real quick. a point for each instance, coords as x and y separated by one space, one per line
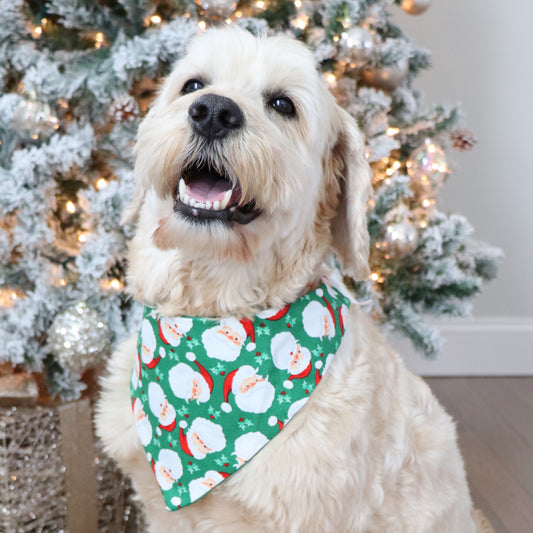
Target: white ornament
78 338
217 9
355 46
427 167
399 239
34 119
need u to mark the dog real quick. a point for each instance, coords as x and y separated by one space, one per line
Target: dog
248 177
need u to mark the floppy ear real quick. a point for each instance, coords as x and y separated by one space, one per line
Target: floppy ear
353 175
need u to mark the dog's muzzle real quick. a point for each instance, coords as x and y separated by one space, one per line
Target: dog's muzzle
204 193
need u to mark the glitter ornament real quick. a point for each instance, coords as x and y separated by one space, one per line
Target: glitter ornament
399 239
355 46
217 9
427 168
79 338
415 7
34 119
386 77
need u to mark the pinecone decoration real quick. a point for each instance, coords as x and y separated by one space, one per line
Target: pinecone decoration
124 109
463 140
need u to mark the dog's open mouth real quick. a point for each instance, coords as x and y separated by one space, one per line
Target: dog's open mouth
203 194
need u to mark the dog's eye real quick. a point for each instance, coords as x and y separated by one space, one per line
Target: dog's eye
283 106
191 86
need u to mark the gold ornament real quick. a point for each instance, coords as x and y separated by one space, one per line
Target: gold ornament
386 77
415 7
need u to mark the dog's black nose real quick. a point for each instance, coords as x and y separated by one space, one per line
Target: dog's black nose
214 116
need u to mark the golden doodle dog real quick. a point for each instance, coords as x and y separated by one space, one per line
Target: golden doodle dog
248 176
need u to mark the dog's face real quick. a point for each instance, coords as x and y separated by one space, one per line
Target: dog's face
245 156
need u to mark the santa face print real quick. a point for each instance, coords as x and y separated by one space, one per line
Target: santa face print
199 487
247 445
287 354
136 374
318 321
173 329
205 437
168 469
253 393
225 340
160 406
142 423
188 384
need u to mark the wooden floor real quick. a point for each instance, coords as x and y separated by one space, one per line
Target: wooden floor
495 424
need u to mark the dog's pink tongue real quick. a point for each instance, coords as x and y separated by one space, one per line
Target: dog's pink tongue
211 189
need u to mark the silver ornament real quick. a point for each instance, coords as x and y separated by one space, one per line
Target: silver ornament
34 119
217 9
386 77
415 7
427 168
399 239
78 338
355 46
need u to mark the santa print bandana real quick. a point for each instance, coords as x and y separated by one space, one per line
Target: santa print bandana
208 394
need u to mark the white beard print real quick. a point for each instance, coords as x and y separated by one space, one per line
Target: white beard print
218 346
257 399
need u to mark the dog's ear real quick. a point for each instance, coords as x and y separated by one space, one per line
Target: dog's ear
351 171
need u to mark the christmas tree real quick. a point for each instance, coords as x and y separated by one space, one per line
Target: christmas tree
77 76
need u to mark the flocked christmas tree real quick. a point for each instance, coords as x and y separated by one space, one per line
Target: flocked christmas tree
77 76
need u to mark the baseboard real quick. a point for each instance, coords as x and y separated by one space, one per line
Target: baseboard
491 346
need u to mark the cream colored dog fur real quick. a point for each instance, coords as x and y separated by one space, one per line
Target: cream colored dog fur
372 450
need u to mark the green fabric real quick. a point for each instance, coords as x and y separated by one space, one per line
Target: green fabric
208 394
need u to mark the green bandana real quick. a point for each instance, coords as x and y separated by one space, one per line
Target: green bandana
208 394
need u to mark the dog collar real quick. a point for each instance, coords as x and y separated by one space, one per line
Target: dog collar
208 394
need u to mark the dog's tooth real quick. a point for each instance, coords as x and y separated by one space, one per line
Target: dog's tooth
182 192
208 205
195 212
225 200
216 205
185 198
232 209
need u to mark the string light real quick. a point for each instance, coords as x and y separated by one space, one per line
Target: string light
70 207
426 203
238 14
98 40
115 284
393 131
155 19
82 238
374 276
423 224
260 4
202 25
298 4
301 22
101 184
37 32
391 170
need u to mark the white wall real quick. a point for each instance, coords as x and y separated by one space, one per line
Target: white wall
482 54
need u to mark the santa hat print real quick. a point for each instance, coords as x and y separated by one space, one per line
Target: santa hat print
273 421
228 384
183 439
288 382
330 308
203 372
248 326
274 314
